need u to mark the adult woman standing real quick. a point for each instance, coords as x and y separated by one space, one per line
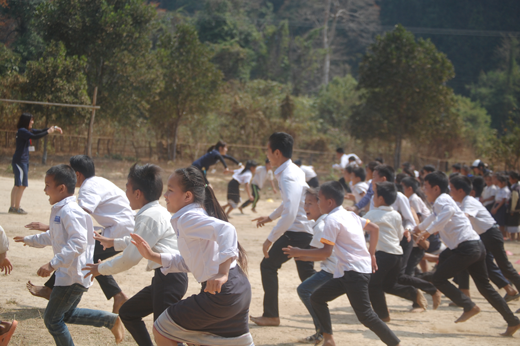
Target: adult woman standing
20 161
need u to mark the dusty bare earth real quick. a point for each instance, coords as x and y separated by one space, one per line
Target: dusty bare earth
429 328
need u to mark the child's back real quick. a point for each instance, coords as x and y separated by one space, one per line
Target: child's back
390 229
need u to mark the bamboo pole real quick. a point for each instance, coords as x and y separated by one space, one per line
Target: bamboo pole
51 104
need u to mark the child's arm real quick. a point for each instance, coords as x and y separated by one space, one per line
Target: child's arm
170 263
37 240
373 230
214 285
309 254
496 207
37 226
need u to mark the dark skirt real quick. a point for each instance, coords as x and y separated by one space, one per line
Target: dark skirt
233 191
224 314
500 216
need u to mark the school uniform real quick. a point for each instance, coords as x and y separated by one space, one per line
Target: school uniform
310 176
204 243
71 235
359 190
233 192
152 222
257 183
344 230
489 191
293 229
500 215
345 160
328 266
110 207
465 251
484 224
513 210
389 254
4 242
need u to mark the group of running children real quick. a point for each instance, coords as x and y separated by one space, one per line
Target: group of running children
400 223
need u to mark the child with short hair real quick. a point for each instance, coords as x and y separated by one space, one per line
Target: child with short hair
359 187
500 208
343 232
513 208
465 251
241 176
489 193
71 235
345 181
262 173
310 175
328 265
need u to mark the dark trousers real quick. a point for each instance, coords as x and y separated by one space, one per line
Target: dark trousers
494 243
470 255
269 268
164 291
255 190
384 280
107 282
355 286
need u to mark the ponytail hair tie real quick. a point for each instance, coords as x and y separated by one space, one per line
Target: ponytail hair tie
205 186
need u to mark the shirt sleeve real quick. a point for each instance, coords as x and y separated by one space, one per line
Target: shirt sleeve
88 200
469 209
4 242
38 240
32 134
270 175
231 158
366 198
121 243
221 159
441 219
329 233
173 263
77 242
291 190
406 212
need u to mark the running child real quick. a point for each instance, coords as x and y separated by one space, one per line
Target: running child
209 249
143 189
465 251
214 154
109 206
359 187
328 265
499 210
389 253
343 232
262 173
310 175
241 176
71 235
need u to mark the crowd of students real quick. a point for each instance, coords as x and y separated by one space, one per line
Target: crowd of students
365 251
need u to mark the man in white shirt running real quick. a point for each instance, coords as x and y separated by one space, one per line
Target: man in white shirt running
293 228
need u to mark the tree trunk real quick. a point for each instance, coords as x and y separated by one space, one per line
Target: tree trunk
91 125
326 63
397 151
175 134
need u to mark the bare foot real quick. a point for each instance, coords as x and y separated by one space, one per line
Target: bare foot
240 208
386 319
118 330
510 331
436 297
421 300
119 300
417 310
39 291
266 321
467 315
329 343
253 210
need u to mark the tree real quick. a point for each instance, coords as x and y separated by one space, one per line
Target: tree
191 81
57 78
404 89
10 80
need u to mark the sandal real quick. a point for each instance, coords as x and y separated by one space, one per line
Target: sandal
4 338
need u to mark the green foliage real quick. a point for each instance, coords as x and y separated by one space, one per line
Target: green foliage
506 149
405 92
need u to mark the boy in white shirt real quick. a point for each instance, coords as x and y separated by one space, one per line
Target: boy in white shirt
310 175
359 187
152 223
465 251
389 253
343 232
293 228
328 265
262 173
109 206
71 235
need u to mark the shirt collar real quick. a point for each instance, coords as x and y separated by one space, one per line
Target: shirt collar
185 209
282 167
338 208
64 201
384 207
147 206
321 218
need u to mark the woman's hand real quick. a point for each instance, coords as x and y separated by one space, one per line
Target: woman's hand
55 128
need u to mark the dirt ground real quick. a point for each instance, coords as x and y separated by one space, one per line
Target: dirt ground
429 328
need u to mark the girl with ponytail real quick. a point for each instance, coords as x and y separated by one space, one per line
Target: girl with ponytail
215 153
240 176
209 249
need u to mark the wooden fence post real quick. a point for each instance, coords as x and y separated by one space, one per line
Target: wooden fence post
91 125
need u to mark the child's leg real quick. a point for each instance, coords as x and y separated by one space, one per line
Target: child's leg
319 299
161 340
306 289
256 195
132 313
375 287
356 285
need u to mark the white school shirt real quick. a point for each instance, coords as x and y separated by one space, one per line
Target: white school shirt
261 175
242 178
328 265
344 161
309 172
204 243
390 229
401 205
358 189
4 242
489 191
450 222
480 218
292 185
108 205
152 222
419 206
503 193
344 230
71 235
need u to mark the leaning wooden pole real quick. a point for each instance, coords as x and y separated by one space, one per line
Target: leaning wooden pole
91 125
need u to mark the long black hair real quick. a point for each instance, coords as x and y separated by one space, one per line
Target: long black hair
220 144
24 121
191 179
249 164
